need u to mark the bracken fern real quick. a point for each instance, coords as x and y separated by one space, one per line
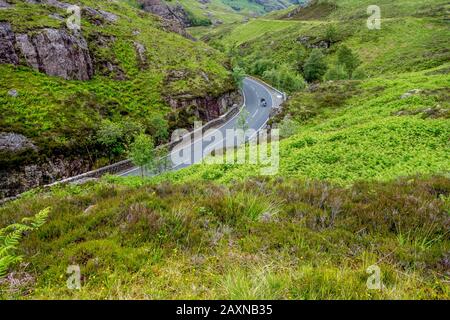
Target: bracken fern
11 235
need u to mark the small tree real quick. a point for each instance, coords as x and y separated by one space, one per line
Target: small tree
261 65
117 136
110 134
285 78
336 72
348 59
238 75
315 66
242 122
142 152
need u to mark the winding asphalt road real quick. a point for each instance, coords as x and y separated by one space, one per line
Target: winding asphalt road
257 119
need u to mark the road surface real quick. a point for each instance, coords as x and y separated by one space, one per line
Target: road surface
202 146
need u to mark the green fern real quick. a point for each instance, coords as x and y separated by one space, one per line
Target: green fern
11 235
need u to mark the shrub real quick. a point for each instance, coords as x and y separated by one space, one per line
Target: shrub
348 59
142 152
336 72
238 75
315 66
117 136
285 78
261 65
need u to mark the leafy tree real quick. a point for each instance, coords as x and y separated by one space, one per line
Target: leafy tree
238 75
315 66
261 65
348 59
285 78
242 122
142 152
336 72
109 134
158 128
11 235
117 136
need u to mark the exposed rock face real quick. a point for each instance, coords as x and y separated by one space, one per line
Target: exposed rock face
13 142
13 182
55 52
98 17
7 51
175 18
4 4
206 107
176 12
313 43
53 3
209 107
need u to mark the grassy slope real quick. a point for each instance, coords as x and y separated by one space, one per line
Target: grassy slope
180 236
61 114
286 239
359 137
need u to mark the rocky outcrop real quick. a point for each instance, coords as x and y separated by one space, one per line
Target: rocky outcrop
313 43
174 17
209 107
4 4
13 142
99 17
105 66
52 3
169 12
13 182
55 52
7 51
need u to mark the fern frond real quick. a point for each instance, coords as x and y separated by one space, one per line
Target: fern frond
11 235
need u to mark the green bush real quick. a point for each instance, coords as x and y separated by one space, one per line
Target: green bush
315 66
348 59
285 78
336 72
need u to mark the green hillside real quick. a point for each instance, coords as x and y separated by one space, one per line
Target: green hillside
363 179
351 129
63 116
